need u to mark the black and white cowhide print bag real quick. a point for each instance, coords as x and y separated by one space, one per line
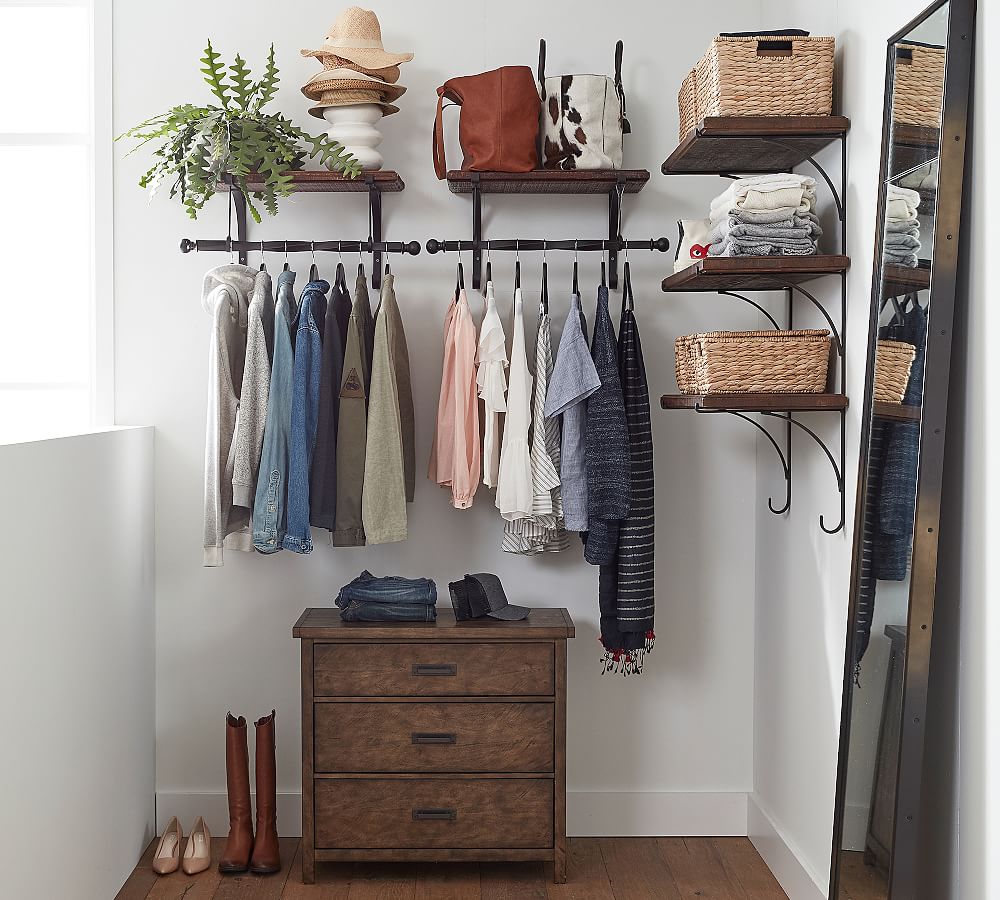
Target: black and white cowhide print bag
583 118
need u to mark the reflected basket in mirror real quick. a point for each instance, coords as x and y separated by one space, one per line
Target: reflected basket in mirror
753 362
893 361
918 86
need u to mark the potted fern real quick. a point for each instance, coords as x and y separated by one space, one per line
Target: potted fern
205 145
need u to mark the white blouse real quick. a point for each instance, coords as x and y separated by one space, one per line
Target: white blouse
514 489
492 381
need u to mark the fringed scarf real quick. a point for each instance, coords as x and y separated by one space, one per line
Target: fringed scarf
626 584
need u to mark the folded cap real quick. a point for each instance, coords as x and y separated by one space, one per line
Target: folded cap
480 595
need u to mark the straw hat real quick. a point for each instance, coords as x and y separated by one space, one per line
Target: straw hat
351 98
349 79
357 36
389 73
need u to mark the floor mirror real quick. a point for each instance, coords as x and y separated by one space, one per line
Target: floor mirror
894 568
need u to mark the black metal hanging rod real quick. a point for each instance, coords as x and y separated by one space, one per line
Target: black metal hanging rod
229 246
526 246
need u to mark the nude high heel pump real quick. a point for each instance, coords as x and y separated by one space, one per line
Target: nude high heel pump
198 852
168 852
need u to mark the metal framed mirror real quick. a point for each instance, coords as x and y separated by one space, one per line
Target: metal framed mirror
894 567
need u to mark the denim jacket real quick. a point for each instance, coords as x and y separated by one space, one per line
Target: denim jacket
306 376
269 512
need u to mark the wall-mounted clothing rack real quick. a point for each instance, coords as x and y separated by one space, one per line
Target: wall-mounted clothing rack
610 182
527 246
373 183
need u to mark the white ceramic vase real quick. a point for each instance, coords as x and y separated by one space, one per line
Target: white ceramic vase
354 127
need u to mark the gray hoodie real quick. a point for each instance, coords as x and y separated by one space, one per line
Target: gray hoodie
225 298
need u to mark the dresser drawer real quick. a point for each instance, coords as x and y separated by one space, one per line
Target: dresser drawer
434 737
433 669
380 813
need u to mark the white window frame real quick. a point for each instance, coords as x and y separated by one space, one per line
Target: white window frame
98 141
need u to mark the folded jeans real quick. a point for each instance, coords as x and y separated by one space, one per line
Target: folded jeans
357 611
366 588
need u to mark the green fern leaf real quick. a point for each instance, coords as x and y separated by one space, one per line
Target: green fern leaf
268 85
242 85
214 73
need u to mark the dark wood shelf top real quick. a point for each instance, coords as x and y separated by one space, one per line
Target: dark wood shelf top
898 280
753 273
325 624
386 181
549 181
756 402
752 144
896 412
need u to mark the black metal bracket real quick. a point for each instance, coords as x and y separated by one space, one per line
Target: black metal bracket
611 246
374 245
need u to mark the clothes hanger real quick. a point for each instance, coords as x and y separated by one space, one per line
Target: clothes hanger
489 264
313 270
284 268
545 280
263 265
576 269
341 278
604 268
517 265
460 278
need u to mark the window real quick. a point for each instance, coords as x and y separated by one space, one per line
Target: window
55 171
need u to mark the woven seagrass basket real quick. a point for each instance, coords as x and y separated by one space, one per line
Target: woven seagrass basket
893 362
766 76
918 86
753 362
687 105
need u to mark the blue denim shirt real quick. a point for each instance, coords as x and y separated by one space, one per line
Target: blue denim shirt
269 513
306 376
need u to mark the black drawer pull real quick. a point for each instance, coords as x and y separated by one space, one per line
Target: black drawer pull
434 815
435 668
433 737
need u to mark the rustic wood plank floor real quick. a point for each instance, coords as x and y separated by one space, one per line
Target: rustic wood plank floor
599 869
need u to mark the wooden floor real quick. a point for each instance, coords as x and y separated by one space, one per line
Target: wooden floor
860 882
599 869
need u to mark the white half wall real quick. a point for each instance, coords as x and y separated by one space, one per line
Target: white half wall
76 657
224 635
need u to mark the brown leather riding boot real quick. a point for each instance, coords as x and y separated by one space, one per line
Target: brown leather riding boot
266 856
236 856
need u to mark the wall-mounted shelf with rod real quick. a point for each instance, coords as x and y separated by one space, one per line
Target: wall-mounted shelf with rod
726 146
373 183
899 280
614 183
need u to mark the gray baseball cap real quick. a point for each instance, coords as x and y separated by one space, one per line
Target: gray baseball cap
482 594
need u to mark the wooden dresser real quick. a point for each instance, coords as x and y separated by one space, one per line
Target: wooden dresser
434 741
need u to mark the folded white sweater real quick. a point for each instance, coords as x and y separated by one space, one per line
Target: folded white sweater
766 192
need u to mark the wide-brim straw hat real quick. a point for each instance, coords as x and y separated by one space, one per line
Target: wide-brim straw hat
357 36
351 98
389 73
348 79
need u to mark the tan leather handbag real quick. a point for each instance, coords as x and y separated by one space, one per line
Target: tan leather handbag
498 124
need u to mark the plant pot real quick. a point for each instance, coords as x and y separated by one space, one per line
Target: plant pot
354 127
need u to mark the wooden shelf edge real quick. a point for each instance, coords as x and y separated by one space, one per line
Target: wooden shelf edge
554 181
757 402
385 181
736 268
896 412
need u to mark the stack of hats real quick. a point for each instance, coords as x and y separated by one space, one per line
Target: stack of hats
356 68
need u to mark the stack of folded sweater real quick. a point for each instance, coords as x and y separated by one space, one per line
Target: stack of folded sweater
388 599
766 215
902 227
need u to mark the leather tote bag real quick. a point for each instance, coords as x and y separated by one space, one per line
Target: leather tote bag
498 123
583 118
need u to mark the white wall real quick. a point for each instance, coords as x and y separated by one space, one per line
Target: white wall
76 657
803 574
684 729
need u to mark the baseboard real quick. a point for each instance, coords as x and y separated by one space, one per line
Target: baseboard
781 855
588 813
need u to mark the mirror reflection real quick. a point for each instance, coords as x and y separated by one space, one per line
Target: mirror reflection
915 91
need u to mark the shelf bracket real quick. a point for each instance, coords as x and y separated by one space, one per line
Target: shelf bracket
784 456
755 305
838 470
375 228
838 342
477 231
239 203
615 229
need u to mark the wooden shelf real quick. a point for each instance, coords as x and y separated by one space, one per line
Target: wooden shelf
898 280
896 412
549 181
385 181
753 273
756 402
752 144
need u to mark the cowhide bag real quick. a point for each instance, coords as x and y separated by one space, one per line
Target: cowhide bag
583 118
